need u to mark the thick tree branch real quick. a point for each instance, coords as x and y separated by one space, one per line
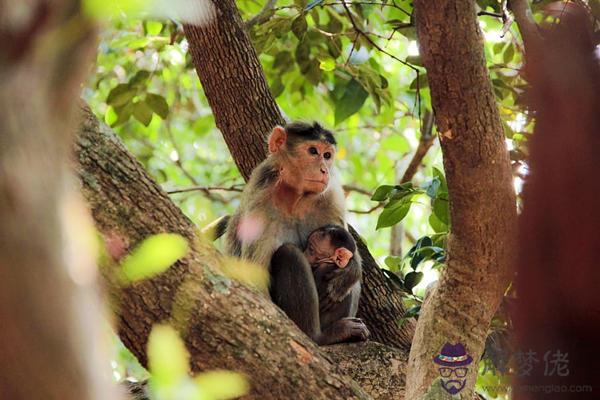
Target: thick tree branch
225 325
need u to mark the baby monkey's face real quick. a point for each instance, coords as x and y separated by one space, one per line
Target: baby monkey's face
319 249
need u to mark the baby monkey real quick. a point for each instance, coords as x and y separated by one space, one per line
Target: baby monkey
328 249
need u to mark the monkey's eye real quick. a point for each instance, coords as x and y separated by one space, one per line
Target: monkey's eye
327 155
313 150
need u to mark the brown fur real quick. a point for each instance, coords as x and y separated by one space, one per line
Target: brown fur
290 194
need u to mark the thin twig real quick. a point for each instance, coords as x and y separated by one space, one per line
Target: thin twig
352 188
490 14
372 42
524 18
369 211
425 143
234 188
263 15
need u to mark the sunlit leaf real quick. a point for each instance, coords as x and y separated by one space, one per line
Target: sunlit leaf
168 358
154 255
196 12
327 64
110 117
246 272
153 27
222 385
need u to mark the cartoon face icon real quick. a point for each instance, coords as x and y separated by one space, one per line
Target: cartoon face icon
453 360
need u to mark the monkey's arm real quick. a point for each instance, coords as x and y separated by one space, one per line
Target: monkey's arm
340 283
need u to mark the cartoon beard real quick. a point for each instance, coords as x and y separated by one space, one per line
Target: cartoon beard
453 386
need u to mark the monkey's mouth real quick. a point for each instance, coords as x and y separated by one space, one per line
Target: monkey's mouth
322 182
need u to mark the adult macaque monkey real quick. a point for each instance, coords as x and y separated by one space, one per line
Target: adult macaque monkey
290 194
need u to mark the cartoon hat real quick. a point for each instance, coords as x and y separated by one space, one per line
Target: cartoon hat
453 355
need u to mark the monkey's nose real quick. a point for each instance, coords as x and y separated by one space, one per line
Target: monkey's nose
323 171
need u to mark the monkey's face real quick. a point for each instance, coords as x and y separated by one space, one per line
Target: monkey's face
311 166
319 248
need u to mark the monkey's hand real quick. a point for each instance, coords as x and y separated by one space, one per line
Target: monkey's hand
340 282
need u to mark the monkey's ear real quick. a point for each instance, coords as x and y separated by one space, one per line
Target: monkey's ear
342 256
277 139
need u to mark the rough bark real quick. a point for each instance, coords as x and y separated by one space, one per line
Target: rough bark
234 84
48 342
245 111
482 199
224 324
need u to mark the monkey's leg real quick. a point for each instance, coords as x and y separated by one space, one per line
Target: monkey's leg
344 330
347 308
293 289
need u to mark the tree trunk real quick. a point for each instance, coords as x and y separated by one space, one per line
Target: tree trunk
48 306
557 319
245 112
482 199
235 85
224 324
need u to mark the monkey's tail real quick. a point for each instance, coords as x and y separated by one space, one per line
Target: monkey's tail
217 228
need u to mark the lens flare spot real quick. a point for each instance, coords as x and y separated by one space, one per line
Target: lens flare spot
250 228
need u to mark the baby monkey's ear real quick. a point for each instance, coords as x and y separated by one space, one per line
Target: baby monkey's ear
342 256
277 139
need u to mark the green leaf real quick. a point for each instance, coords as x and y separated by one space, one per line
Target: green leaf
139 79
158 104
277 88
327 64
124 113
497 48
110 117
412 279
393 262
437 225
168 358
440 209
138 43
222 385
153 256
391 216
381 193
120 95
153 27
283 61
142 112
351 101
299 26
423 82
508 54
